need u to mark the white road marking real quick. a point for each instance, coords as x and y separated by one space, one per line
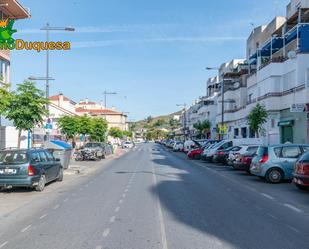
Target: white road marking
160 213
65 200
120 201
98 247
258 207
4 244
267 196
43 216
293 229
56 207
112 219
123 195
272 216
106 232
25 229
292 207
81 189
117 209
126 190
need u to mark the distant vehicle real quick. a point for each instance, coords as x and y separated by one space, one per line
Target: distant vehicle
31 168
189 145
276 163
221 156
244 156
208 153
235 153
195 153
301 172
127 145
99 149
178 146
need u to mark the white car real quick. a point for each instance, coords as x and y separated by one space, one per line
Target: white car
127 145
233 155
188 145
178 146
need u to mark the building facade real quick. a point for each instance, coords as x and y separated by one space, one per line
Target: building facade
275 74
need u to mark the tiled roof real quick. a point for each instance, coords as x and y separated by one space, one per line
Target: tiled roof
98 111
87 103
56 98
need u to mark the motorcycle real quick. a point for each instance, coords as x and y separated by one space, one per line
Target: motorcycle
86 155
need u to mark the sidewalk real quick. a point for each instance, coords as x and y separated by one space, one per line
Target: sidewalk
14 200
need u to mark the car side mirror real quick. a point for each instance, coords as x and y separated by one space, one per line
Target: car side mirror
57 159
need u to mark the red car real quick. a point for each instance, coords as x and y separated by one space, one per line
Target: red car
195 153
301 172
243 161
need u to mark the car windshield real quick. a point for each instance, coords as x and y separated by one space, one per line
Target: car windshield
13 157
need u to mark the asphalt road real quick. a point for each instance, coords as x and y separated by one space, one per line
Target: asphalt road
154 198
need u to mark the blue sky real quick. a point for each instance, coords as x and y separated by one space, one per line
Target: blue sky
153 53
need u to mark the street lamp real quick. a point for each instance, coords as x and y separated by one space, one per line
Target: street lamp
48 28
105 93
185 117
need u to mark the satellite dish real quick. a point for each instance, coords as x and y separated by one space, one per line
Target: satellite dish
292 54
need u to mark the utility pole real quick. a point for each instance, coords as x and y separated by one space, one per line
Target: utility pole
105 93
184 118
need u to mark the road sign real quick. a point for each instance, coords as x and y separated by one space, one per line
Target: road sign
298 108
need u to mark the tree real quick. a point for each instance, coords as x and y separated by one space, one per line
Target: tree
149 119
202 127
26 107
5 97
128 134
159 123
84 125
68 126
115 132
99 129
256 119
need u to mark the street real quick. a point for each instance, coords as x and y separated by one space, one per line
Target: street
154 198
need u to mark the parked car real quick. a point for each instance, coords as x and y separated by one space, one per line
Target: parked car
242 150
178 146
189 145
208 153
244 157
301 172
276 163
31 168
221 156
196 153
99 149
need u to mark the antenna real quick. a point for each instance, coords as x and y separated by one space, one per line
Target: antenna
276 7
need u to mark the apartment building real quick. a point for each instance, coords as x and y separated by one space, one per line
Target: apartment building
275 73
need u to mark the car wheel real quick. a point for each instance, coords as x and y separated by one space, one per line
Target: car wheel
197 157
41 184
274 175
60 175
302 187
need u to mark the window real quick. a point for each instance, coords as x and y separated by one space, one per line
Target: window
49 156
244 132
277 151
291 152
236 132
34 157
251 133
250 97
273 123
13 157
43 156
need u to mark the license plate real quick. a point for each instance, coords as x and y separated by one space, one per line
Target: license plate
8 171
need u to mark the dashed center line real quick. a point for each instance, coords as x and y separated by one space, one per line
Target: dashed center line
293 229
267 196
106 232
112 219
56 207
4 244
66 199
117 209
25 229
120 201
43 216
123 195
293 208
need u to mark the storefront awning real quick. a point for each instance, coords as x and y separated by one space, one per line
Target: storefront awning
286 123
